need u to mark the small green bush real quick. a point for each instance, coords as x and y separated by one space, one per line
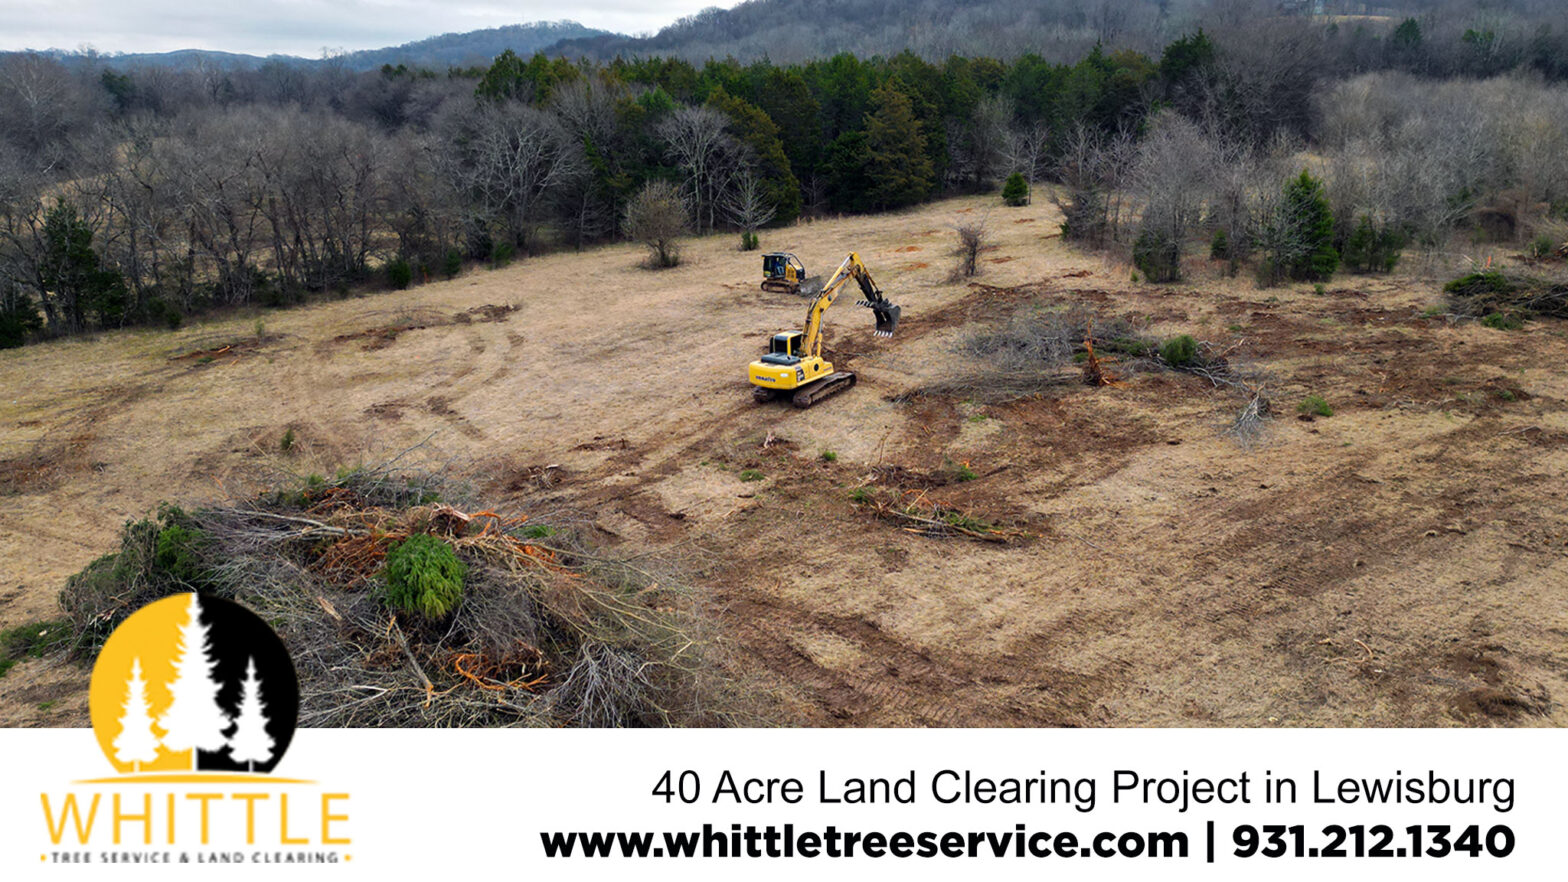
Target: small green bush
452 264
1490 282
501 254
749 241
176 552
1315 405
286 443
1502 321
1319 289
160 311
1179 351
1015 191
1127 346
751 475
1219 246
400 274
1157 255
19 319
1372 250
957 471
424 576
829 456
1541 247
31 640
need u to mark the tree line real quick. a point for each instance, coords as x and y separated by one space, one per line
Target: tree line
147 195
1444 37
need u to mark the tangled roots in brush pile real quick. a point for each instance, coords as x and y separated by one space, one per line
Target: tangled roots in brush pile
477 619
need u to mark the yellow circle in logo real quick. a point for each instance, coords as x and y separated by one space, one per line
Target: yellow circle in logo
193 684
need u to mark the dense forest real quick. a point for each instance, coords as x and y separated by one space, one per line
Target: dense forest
145 195
1065 30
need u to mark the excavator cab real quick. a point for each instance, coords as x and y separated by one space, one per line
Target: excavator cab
784 348
782 271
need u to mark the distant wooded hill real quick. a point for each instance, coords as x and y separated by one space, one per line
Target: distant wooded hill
474 48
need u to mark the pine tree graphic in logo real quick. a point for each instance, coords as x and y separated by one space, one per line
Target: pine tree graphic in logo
136 743
250 743
191 683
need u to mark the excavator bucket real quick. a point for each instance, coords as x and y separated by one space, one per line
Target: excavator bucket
887 319
887 315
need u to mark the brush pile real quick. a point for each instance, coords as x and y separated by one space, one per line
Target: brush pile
916 512
1494 293
545 632
1035 350
1227 369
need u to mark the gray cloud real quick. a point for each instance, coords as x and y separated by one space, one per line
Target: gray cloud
299 27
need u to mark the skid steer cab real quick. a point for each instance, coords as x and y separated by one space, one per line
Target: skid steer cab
782 272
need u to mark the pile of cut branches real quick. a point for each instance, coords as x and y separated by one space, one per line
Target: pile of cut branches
1226 369
916 512
547 632
1035 349
1492 292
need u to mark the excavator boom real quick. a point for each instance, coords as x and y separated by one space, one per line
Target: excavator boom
886 313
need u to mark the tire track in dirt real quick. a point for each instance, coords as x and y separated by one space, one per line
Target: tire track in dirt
900 684
65 449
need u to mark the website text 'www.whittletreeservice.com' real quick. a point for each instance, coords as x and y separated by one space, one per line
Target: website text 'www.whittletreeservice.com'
1208 842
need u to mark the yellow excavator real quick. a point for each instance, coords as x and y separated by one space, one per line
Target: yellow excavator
793 364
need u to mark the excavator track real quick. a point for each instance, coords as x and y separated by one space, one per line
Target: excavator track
829 385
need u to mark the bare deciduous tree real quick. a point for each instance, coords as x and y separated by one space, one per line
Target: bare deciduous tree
1171 174
696 140
747 204
1024 151
973 237
510 157
1092 167
657 217
979 151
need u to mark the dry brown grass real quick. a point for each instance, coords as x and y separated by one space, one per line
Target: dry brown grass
1180 579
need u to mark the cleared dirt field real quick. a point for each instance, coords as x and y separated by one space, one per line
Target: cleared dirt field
1402 562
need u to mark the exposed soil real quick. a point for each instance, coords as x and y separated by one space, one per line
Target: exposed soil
1401 562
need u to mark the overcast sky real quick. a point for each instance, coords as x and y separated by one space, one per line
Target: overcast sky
300 27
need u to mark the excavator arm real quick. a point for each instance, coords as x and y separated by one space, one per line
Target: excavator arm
852 268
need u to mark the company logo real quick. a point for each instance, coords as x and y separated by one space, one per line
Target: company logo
194 703
194 684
